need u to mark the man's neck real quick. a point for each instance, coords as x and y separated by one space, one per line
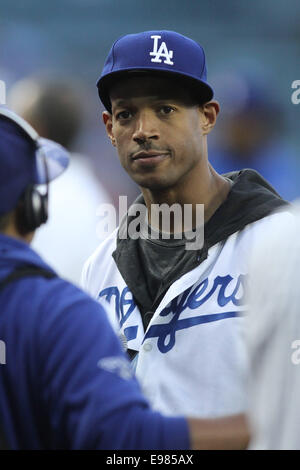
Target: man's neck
11 231
210 191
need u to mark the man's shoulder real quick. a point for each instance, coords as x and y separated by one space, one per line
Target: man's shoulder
49 295
282 219
263 231
42 309
279 231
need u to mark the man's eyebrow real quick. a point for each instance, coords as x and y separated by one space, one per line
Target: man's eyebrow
121 102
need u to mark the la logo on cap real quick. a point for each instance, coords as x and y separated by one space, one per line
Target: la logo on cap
161 52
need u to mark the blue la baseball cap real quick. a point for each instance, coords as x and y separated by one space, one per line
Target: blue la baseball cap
164 52
25 159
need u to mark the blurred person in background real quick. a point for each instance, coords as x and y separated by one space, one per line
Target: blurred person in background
272 332
55 109
250 134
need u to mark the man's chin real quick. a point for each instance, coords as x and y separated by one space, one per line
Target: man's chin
154 184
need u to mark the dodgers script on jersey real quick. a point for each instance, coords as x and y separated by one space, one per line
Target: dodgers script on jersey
192 358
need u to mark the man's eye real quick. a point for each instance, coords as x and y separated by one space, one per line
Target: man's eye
123 115
166 110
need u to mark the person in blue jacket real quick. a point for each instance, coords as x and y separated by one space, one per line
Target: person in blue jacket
65 381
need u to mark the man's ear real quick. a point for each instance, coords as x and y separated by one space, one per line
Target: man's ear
107 119
210 112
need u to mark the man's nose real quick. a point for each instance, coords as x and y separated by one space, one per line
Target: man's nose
146 127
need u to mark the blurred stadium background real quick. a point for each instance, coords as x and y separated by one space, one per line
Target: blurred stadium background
252 50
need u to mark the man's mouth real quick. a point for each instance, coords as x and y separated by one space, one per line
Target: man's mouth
150 157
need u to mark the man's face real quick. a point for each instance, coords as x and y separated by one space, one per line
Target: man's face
157 129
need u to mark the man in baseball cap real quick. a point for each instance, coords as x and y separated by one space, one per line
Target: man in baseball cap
180 309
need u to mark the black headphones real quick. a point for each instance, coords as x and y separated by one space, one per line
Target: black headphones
35 208
32 209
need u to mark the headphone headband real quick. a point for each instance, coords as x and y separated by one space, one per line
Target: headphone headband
27 128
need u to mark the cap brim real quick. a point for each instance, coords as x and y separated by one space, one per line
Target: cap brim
56 158
201 89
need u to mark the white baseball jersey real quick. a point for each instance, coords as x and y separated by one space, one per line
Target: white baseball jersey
192 358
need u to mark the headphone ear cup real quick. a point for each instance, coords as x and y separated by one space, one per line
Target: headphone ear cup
28 219
44 208
35 208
